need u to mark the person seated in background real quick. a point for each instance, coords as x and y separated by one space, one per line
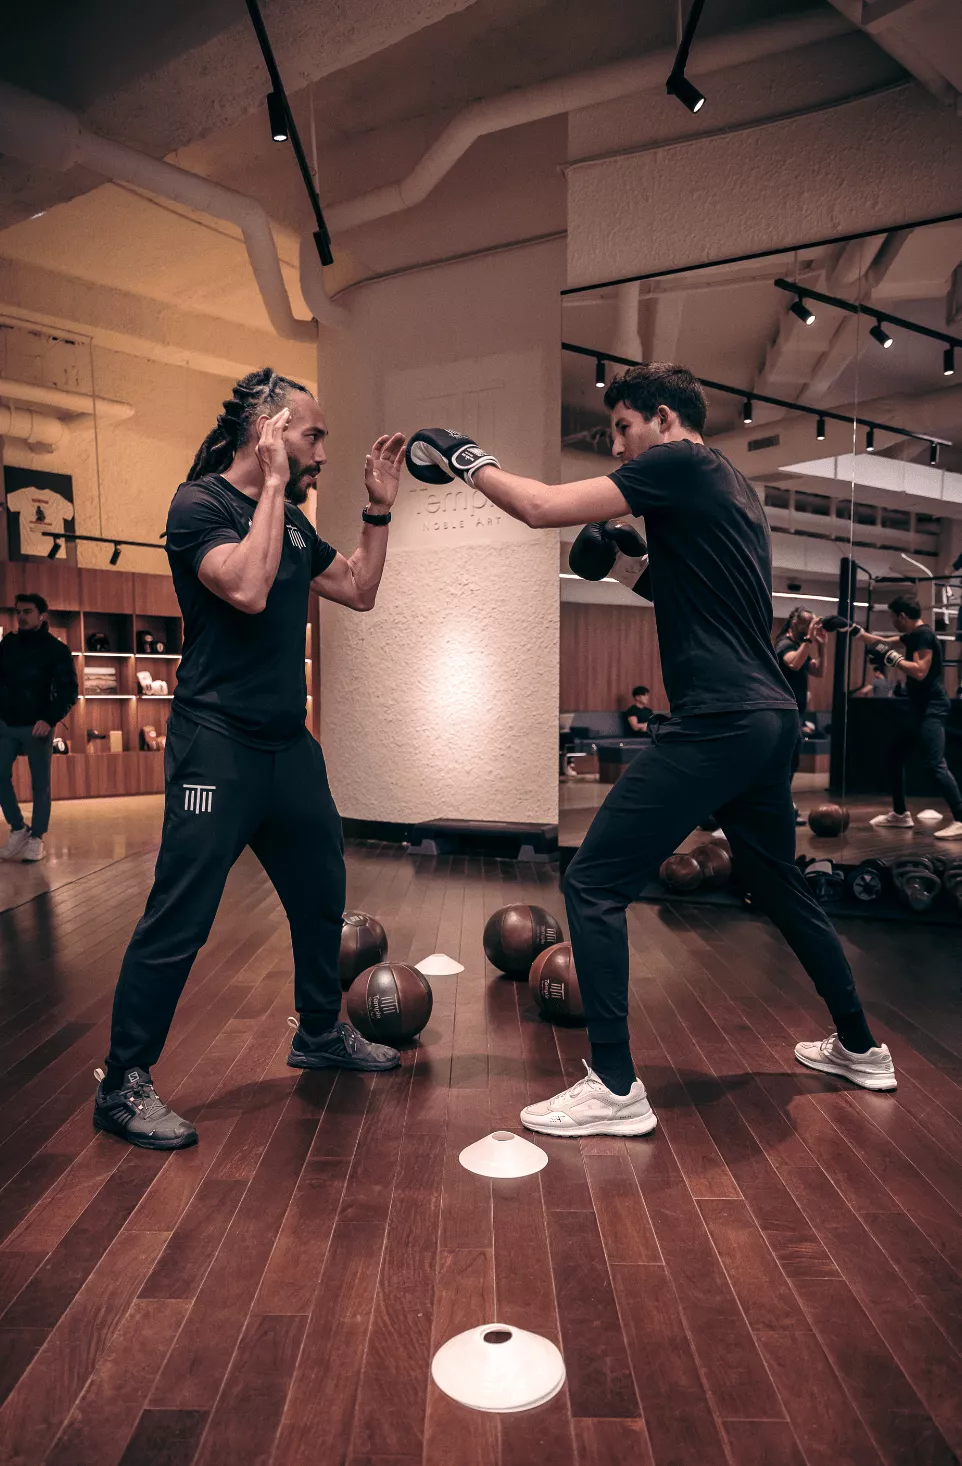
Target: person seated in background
877 685
636 717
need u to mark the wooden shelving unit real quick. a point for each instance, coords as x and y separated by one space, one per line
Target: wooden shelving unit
122 607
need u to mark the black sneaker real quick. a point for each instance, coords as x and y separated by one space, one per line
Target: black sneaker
342 1047
136 1113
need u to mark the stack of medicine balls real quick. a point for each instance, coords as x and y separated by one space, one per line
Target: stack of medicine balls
389 1002
525 941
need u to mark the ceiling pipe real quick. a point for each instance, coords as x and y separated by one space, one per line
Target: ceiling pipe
549 99
41 433
77 404
44 133
570 94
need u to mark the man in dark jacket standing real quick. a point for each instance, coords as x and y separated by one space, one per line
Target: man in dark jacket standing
38 687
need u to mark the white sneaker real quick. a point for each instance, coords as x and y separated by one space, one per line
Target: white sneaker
590 1108
34 849
15 846
951 831
872 1070
893 821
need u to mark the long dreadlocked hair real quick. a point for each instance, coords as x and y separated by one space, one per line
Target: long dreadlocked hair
257 393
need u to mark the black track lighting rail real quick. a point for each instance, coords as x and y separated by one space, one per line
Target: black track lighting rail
321 236
67 537
873 312
819 413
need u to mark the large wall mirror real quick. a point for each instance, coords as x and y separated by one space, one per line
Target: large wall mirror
830 375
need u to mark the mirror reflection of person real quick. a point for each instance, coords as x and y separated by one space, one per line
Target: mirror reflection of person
922 663
640 711
800 649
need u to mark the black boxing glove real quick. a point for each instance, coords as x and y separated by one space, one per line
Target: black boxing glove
882 655
631 561
437 455
593 554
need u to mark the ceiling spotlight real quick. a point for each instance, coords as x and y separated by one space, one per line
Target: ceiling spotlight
54 550
820 430
116 555
948 362
804 312
600 372
747 411
879 334
870 440
679 86
277 113
933 454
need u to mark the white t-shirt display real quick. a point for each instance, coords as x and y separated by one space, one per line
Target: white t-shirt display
39 510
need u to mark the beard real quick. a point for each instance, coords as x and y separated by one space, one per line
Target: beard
299 483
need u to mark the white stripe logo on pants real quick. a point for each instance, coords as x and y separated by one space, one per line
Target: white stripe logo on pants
199 798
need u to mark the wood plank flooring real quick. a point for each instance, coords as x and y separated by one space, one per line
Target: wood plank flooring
774 1277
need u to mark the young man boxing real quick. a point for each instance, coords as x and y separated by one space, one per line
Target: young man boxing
726 748
921 663
240 766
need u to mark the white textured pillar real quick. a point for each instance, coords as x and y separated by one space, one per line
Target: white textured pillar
442 702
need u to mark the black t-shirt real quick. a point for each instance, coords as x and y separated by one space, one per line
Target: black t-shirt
796 677
711 577
241 675
929 695
641 714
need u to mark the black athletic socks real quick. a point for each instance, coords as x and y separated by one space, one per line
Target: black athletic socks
854 1033
614 1066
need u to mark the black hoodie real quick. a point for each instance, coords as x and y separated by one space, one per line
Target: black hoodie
37 678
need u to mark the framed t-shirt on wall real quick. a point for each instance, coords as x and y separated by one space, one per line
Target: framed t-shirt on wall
37 504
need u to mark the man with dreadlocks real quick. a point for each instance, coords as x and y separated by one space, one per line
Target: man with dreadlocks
240 766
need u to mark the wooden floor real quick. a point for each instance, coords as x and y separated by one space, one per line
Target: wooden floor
774 1277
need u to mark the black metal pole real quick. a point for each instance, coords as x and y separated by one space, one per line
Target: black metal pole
321 236
847 572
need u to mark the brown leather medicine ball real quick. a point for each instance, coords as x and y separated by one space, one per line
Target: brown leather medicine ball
681 873
554 983
390 1002
363 943
514 936
715 862
828 819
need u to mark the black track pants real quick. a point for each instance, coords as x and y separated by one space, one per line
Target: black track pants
222 796
735 766
929 734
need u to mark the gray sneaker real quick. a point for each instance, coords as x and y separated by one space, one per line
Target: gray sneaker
342 1047
17 843
590 1108
136 1113
871 1070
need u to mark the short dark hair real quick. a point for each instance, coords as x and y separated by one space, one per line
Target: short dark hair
647 387
906 606
33 599
639 692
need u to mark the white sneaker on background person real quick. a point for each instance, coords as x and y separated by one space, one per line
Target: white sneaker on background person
590 1108
871 1070
34 849
893 821
17 843
952 831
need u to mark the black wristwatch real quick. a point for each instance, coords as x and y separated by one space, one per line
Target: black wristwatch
381 519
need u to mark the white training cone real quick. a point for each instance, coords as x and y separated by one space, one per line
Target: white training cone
439 965
498 1368
929 817
503 1154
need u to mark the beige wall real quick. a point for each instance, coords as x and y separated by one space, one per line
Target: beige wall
442 702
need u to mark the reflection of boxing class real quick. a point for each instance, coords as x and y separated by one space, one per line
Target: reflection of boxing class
481 734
